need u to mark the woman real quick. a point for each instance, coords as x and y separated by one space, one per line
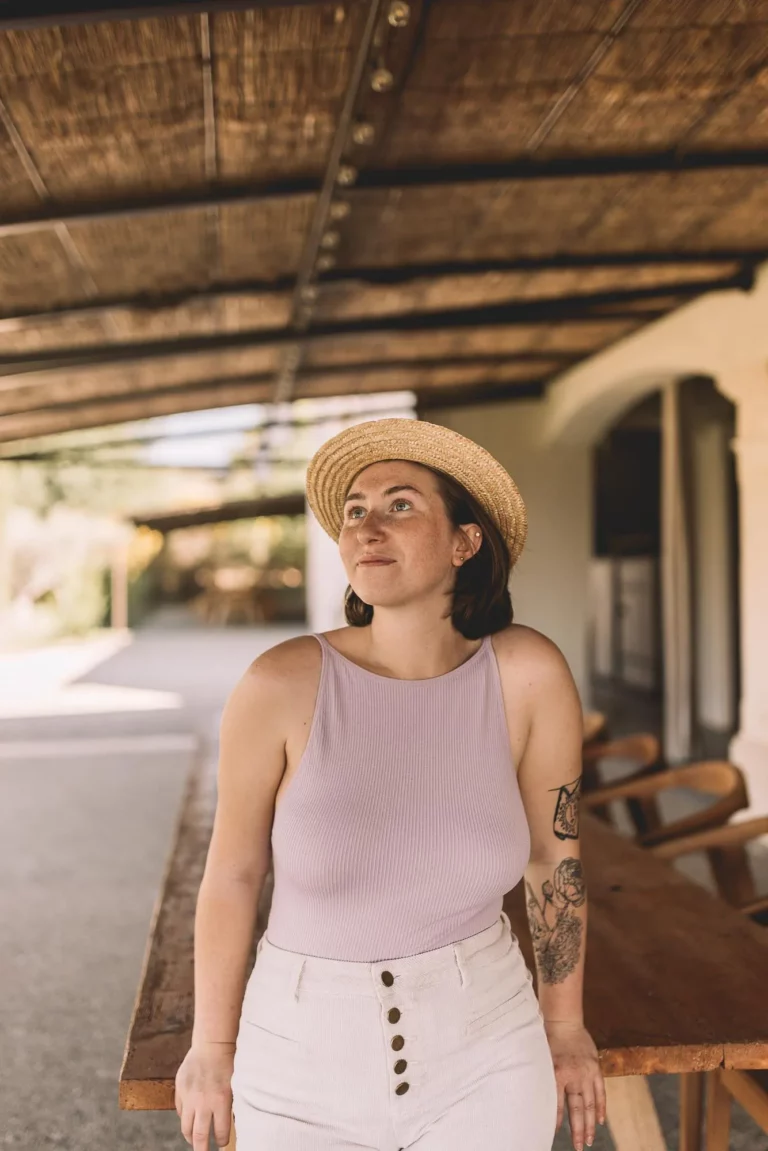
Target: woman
406 772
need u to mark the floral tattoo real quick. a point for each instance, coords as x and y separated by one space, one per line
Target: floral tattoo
566 822
556 930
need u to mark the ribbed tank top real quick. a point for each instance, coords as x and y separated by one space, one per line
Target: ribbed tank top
403 826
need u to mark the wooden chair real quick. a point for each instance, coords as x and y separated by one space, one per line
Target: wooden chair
714 777
644 753
595 726
725 848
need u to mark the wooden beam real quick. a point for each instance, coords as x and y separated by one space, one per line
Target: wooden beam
388 179
48 13
104 413
408 274
81 393
288 505
574 308
428 399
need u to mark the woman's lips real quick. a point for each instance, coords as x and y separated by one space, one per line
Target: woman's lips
374 563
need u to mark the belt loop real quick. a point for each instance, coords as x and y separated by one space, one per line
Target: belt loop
458 956
297 978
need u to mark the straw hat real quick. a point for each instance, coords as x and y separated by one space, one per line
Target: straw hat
335 464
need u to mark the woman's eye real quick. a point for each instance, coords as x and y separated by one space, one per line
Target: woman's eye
351 512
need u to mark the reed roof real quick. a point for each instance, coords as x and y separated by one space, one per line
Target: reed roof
541 182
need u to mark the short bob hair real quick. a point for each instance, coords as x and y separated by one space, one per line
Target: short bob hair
481 603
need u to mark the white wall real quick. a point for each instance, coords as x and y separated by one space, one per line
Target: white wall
549 584
723 335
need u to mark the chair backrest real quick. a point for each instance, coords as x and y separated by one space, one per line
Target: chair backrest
643 748
716 777
725 848
595 723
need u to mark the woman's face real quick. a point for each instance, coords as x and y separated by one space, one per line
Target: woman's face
394 510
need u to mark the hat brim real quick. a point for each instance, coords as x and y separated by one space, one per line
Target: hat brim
337 462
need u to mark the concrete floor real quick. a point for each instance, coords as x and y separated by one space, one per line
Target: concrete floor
85 827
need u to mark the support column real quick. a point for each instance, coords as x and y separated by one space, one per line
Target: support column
675 582
748 388
713 544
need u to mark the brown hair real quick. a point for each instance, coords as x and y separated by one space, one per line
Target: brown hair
481 603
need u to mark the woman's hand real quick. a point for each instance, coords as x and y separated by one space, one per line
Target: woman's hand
579 1080
204 1093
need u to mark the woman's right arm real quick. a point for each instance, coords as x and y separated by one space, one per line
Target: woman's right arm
251 765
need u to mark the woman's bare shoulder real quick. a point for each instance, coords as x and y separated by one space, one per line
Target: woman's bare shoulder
527 654
288 663
277 685
519 637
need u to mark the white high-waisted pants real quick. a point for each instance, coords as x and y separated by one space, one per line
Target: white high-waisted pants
440 1051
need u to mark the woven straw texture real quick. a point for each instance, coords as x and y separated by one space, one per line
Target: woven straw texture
335 464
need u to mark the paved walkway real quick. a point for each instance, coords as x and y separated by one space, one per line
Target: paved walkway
88 801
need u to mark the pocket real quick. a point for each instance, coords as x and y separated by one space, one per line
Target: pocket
271 1009
494 1007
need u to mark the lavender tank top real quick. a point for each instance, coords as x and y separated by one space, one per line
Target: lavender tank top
403 826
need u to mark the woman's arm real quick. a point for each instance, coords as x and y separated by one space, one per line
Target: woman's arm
556 896
251 765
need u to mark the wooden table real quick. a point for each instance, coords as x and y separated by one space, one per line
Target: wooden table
675 982
675 978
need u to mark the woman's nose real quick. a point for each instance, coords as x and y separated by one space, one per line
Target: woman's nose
370 527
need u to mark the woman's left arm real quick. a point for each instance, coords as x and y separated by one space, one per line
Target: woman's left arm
549 775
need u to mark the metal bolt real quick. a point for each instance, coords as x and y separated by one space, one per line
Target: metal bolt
330 240
346 175
363 133
324 263
399 13
339 210
382 80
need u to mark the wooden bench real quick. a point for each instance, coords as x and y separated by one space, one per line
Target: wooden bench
675 978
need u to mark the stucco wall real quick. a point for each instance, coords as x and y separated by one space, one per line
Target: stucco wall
549 584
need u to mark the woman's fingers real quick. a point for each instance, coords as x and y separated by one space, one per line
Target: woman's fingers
222 1120
576 1118
560 1104
589 1115
187 1120
201 1130
600 1102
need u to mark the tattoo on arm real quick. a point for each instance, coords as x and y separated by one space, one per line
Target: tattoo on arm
556 930
566 822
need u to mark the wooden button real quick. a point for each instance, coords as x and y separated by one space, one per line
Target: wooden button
397 1042
400 1066
401 1089
393 1014
388 978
